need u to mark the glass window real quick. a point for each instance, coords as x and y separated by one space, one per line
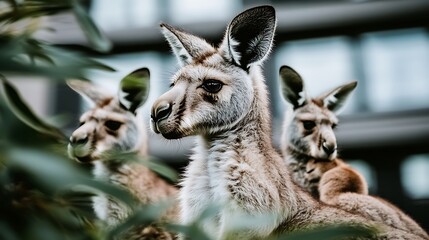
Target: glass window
415 176
396 65
323 63
191 11
122 14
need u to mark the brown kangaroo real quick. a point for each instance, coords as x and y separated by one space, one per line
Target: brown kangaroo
310 150
219 94
114 124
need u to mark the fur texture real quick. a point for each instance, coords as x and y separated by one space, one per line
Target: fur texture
220 95
114 125
309 147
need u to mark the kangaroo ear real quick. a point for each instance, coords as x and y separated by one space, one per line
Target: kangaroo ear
92 93
335 99
134 89
249 36
292 87
185 46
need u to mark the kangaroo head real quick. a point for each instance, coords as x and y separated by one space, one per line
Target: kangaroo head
112 123
310 129
214 88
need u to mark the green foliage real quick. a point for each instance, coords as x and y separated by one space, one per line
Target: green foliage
21 53
331 232
25 114
97 40
43 194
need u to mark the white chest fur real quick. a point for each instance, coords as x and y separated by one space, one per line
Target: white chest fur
222 177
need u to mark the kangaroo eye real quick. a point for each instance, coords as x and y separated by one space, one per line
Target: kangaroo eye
112 125
308 125
81 123
212 86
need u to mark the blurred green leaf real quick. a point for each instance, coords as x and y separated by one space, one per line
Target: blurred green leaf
162 169
31 9
59 174
150 162
193 231
95 37
25 114
57 63
331 232
6 232
141 218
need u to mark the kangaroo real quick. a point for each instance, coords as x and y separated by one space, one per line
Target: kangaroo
219 95
310 150
114 124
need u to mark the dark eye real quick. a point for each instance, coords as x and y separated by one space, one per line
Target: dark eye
81 123
334 125
308 125
212 86
171 84
112 125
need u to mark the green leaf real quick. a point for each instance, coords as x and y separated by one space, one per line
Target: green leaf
193 231
142 217
28 10
150 162
95 37
55 173
6 232
26 115
162 169
16 50
331 232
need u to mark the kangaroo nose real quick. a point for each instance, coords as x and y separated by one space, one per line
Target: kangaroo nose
161 110
329 148
75 141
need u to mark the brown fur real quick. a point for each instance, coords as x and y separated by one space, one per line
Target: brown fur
317 169
341 178
340 185
234 163
143 184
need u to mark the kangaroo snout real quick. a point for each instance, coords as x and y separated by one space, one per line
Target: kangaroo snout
161 110
78 140
329 147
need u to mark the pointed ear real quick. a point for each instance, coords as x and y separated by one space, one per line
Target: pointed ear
92 93
335 99
134 89
249 36
292 87
185 46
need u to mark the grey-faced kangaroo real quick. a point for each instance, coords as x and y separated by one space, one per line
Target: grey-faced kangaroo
114 124
219 94
310 150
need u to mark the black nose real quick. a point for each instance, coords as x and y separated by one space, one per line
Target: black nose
75 141
329 148
161 111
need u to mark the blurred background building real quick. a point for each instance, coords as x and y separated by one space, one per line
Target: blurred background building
384 45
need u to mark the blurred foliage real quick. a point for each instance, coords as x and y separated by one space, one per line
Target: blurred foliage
43 194
21 53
